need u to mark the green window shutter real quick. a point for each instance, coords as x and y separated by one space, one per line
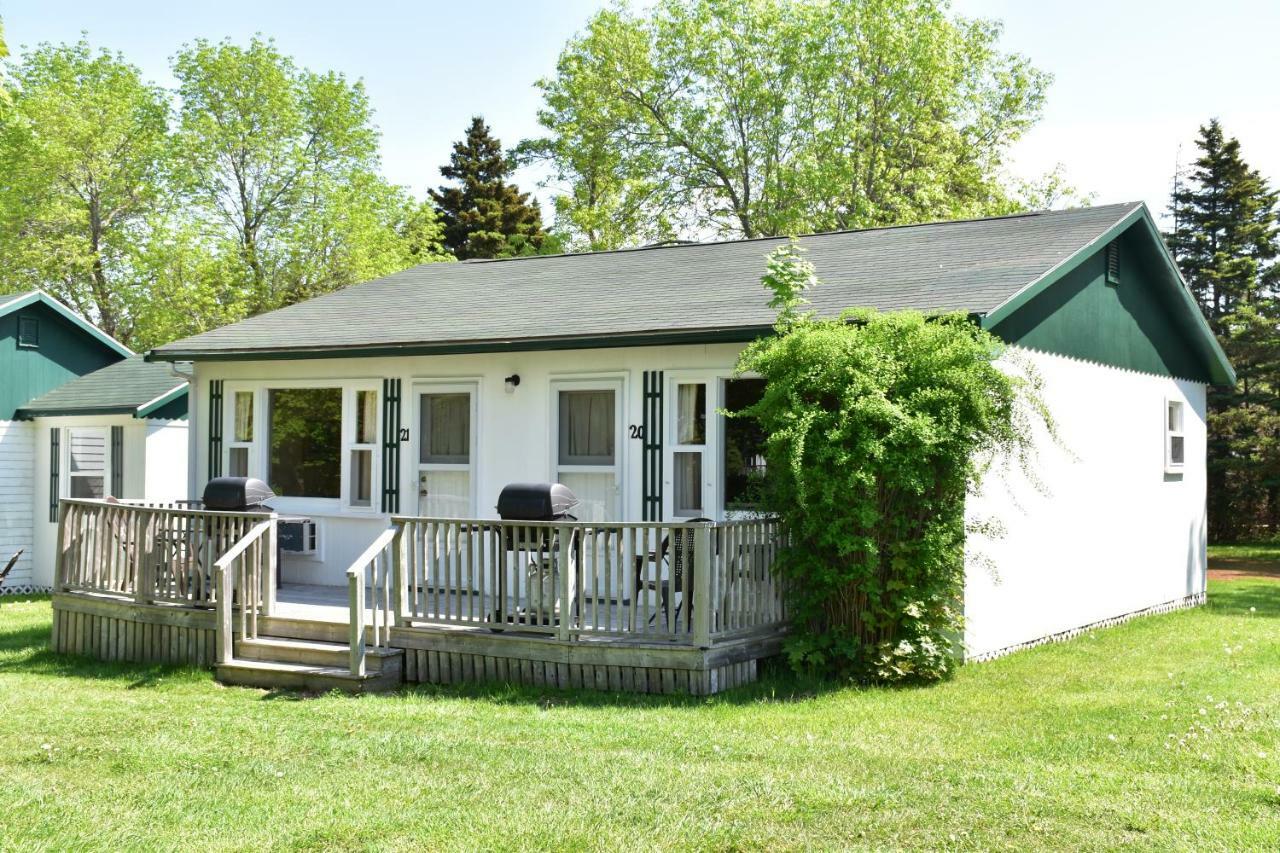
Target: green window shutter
651 438
215 428
117 461
55 478
391 445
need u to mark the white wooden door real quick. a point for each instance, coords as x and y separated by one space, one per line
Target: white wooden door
446 450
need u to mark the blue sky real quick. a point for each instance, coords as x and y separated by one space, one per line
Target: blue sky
1132 79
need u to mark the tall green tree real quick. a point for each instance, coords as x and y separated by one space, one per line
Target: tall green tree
485 216
1226 239
83 152
778 116
282 162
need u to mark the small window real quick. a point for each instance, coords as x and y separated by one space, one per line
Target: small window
691 413
1175 441
28 332
1113 263
445 429
87 463
744 445
241 434
304 440
586 428
361 450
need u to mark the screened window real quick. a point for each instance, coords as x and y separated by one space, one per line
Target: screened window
445 429
586 428
86 462
1175 437
304 436
744 464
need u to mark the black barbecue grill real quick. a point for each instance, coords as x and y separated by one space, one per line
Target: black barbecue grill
237 494
539 545
536 502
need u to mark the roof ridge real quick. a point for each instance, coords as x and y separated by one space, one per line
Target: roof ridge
692 244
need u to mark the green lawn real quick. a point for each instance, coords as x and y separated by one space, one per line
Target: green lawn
1250 551
1164 732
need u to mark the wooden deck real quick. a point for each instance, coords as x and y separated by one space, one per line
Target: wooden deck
649 607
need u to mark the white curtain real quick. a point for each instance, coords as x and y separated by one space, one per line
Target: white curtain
691 418
244 416
586 428
446 429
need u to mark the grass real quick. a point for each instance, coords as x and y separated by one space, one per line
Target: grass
1247 551
1164 732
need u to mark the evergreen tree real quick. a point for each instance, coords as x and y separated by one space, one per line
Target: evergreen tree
484 216
1226 239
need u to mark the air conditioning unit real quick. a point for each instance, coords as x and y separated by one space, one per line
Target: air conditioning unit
298 537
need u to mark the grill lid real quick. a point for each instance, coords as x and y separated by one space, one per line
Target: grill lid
535 502
236 493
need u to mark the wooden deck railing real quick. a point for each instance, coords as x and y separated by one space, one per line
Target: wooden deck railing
372 570
151 553
243 576
678 582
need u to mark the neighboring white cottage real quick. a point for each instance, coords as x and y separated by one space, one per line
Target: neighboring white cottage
425 392
80 416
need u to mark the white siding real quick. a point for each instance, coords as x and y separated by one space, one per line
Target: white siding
165 477
17 447
1111 533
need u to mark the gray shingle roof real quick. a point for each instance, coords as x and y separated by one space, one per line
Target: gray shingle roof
119 388
676 290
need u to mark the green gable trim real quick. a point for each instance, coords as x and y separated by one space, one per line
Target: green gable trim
34 296
1147 322
175 410
165 402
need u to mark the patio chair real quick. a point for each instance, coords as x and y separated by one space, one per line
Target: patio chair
676 547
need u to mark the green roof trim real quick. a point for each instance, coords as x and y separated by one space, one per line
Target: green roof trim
130 387
1219 368
21 300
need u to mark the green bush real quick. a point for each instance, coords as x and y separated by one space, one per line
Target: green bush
877 427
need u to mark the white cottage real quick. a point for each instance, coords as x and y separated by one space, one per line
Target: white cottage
81 416
422 394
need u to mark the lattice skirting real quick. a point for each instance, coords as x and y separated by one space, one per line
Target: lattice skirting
24 589
425 666
1193 600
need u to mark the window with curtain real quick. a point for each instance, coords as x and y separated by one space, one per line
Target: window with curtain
445 429
241 434
586 424
304 437
86 462
691 413
365 437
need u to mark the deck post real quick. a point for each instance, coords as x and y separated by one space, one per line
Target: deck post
401 596
702 586
270 576
144 576
60 566
568 567
222 580
355 598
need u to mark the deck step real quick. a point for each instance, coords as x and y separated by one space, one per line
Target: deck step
302 676
314 652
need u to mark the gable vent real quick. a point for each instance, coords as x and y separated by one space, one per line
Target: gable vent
1113 263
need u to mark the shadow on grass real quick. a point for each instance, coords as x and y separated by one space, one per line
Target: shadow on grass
27 650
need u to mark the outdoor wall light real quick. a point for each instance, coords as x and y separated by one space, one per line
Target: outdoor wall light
512 381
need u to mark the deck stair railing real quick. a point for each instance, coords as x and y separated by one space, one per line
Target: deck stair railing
243 576
372 573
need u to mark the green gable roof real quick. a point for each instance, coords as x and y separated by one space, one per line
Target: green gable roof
132 386
13 301
697 292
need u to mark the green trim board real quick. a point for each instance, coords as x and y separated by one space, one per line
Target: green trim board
1148 321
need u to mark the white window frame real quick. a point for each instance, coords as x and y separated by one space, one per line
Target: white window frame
1170 433
611 382
229 428
709 449
259 448
350 398
418 388
107 462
